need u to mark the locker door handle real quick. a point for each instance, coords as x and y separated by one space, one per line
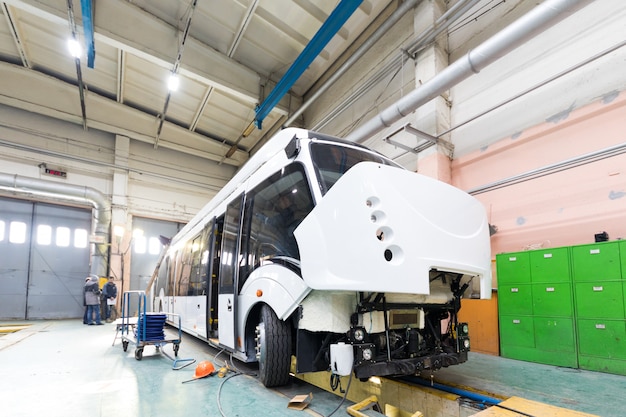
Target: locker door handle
600 326
598 288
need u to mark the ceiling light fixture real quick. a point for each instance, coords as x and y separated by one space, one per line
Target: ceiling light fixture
173 82
74 46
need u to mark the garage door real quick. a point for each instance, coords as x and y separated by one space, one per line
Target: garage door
147 248
44 259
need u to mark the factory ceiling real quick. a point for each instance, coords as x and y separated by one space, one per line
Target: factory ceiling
227 56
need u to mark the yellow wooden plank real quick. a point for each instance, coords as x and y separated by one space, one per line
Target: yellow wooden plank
11 329
521 407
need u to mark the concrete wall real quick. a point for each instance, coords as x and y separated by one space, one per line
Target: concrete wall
560 208
137 179
160 183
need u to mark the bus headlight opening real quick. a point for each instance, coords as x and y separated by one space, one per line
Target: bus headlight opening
367 354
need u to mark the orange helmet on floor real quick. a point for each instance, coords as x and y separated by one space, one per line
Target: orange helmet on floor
204 368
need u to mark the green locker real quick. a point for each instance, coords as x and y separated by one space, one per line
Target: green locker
550 265
517 331
602 338
600 261
565 306
555 334
622 251
600 299
513 267
552 299
515 299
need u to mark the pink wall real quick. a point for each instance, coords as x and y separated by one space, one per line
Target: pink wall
559 209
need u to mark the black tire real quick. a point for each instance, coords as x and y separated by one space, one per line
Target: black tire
139 354
125 345
176 347
273 349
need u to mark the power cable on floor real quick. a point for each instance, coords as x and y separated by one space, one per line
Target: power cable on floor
345 395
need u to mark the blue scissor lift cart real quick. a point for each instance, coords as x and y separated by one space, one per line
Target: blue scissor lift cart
146 328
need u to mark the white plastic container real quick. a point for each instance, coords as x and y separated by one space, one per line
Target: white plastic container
341 358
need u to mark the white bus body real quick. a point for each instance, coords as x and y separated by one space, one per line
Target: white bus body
318 241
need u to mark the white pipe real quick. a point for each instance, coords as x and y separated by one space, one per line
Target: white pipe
519 32
102 208
387 24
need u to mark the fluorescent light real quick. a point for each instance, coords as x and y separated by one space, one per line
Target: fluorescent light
173 82
74 46
118 230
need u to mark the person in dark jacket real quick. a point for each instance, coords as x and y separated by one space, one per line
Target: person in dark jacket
109 294
92 300
85 321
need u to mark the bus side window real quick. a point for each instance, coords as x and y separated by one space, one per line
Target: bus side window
272 212
229 254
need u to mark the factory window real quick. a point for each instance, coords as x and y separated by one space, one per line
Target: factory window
17 232
63 236
44 234
80 238
140 244
154 246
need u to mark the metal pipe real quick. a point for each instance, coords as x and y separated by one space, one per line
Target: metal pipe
552 169
101 214
460 392
387 24
423 40
519 32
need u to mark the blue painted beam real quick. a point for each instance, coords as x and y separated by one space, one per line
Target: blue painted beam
86 6
331 26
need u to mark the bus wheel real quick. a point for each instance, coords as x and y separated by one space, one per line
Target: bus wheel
273 346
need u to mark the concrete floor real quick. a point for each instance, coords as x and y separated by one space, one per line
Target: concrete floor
64 368
575 389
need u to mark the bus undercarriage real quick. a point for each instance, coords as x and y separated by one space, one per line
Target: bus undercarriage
391 334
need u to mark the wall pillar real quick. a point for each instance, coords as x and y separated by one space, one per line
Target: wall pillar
433 117
121 221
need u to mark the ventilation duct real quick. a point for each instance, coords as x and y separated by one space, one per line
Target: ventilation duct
102 209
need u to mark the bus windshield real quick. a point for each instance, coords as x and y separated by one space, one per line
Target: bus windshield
332 161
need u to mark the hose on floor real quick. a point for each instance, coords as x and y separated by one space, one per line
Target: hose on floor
236 372
345 394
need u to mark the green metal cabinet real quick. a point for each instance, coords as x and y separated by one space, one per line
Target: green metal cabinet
517 330
600 293
553 299
600 299
555 341
513 267
600 261
516 299
565 306
602 338
536 307
550 265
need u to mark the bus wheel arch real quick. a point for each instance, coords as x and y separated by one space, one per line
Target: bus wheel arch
273 346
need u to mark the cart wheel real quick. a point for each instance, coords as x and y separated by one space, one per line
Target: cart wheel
176 347
139 353
125 345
